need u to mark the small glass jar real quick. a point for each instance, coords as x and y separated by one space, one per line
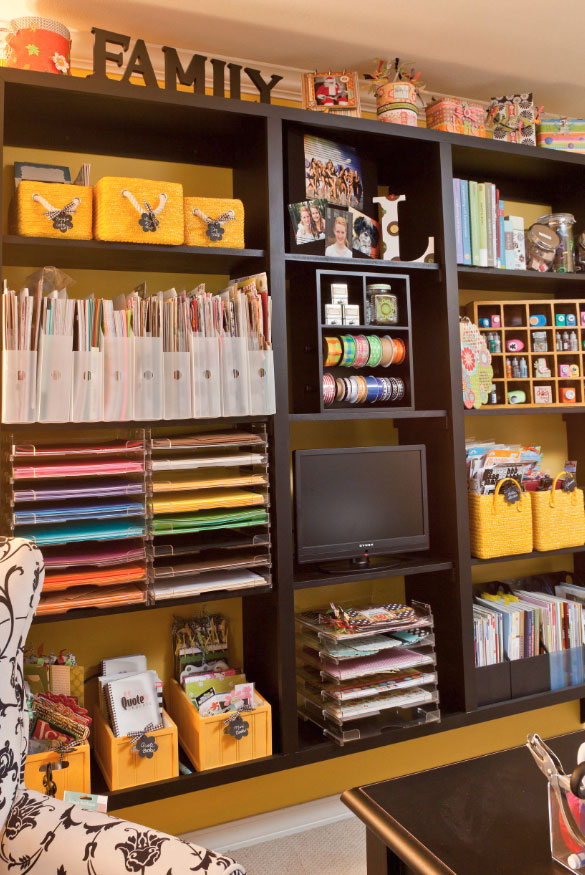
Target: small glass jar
541 247
562 223
381 305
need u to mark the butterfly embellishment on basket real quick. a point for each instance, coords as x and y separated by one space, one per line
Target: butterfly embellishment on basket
215 229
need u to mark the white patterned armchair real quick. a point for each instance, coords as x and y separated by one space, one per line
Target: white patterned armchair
42 835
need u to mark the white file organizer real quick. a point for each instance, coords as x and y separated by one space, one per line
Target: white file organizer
19 385
54 378
118 378
148 378
234 376
87 397
177 385
205 377
261 394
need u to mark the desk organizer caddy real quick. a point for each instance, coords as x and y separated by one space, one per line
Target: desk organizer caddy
74 776
131 378
47 209
204 739
120 763
456 116
130 210
212 221
565 134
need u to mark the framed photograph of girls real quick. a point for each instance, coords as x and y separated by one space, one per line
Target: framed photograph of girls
333 173
338 233
332 92
308 221
365 238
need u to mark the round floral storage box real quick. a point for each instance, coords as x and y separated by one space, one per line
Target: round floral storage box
39 44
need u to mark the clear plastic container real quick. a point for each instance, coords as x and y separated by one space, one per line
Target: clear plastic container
541 246
54 378
205 377
234 376
88 386
562 223
118 378
19 385
148 378
177 385
261 373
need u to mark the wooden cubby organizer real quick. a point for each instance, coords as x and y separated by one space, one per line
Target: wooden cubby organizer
262 146
517 322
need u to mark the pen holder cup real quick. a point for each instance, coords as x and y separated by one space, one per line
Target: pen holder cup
75 776
261 382
54 378
565 848
177 385
234 376
205 377
87 396
203 738
118 378
148 378
122 766
19 386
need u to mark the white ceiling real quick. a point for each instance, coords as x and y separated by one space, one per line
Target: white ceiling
463 47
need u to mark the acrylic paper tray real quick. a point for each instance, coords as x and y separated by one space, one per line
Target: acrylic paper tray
135 552
41 449
314 642
368 727
72 513
379 704
165 571
428 678
311 685
361 672
170 443
181 545
135 488
325 632
75 471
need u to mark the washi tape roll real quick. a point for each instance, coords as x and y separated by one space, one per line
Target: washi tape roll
387 351
349 350
375 356
328 389
331 351
362 351
362 389
373 388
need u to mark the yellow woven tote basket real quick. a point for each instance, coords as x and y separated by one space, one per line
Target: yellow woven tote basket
50 209
214 221
498 528
131 210
558 518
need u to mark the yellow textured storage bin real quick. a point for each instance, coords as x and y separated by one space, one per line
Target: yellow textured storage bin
122 768
217 222
48 209
498 528
131 210
558 518
204 739
75 777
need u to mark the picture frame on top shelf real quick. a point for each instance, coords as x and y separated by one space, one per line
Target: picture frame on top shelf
337 93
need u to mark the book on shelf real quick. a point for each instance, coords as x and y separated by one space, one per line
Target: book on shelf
474 222
482 212
458 221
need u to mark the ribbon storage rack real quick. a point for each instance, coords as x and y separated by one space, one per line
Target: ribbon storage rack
356 680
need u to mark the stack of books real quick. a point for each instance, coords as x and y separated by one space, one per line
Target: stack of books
485 237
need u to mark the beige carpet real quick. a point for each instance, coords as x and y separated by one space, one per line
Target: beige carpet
336 849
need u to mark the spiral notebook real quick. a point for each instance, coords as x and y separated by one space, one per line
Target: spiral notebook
133 704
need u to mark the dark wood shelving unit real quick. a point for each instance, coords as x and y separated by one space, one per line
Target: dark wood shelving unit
261 145
527 409
534 555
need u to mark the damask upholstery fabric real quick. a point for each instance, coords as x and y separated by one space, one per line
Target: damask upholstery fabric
47 836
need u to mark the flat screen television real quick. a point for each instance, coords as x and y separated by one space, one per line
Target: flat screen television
360 502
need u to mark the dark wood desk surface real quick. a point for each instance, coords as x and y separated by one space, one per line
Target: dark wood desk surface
485 816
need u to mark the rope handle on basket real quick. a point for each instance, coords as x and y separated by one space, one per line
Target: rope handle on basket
62 219
148 217
497 492
554 489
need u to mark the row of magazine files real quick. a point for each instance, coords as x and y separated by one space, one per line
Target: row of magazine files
131 378
364 669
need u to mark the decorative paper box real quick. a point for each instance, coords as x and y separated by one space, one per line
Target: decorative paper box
217 222
566 134
49 209
40 44
131 210
512 119
456 116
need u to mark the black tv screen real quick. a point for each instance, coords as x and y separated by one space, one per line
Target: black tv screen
360 500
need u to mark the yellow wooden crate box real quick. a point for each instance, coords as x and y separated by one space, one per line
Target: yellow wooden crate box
75 777
131 210
48 209
204 739
121 768
214 221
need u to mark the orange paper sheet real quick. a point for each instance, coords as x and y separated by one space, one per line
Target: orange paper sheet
93 576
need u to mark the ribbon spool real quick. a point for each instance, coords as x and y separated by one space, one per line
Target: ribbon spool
328 389
375 356
387 351
332 351
362 351
349 350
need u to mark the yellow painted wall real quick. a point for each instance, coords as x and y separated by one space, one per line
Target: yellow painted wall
96 638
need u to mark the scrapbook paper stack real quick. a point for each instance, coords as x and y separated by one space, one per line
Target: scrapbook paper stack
83 502
361 670
209 507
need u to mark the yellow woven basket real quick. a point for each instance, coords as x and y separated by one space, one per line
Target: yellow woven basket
558 518
214 221
131 210
50 209
498 528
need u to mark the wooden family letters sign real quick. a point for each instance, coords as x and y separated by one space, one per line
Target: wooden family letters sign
139 64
